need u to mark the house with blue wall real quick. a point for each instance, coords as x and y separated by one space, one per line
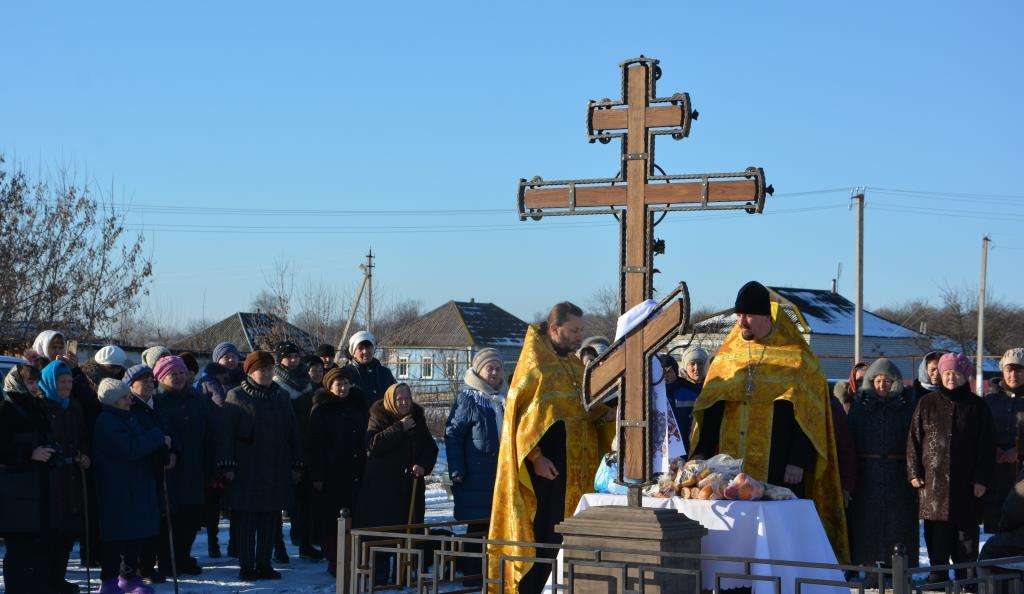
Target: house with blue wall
432 353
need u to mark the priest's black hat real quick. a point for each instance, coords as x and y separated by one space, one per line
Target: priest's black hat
753 299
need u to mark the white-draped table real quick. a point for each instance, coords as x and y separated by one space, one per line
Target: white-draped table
777 530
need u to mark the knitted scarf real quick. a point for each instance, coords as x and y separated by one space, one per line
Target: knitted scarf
296 381
257 391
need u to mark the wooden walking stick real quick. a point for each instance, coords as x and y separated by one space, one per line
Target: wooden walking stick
84 552
408 529
170 535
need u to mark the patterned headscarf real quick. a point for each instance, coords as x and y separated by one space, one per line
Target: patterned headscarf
390 395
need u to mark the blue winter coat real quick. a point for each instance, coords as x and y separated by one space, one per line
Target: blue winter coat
125 485
682 394
472 437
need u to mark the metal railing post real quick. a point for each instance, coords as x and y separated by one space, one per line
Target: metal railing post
341 554
900 576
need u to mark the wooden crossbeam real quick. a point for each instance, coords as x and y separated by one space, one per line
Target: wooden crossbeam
744 191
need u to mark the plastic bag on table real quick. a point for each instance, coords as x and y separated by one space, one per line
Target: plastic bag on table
776 493
745 488
604 479
725 464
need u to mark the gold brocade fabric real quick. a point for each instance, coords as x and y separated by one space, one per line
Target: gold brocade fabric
544 390
778 367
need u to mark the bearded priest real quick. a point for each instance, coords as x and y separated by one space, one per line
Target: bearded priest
765 400
548 451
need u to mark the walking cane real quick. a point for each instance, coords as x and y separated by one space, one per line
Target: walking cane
84 553
170 535
408 529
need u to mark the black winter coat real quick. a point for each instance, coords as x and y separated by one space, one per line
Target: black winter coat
259 443
372 379
883 511
37 496
387 485
950 448
1008 418
148 418
337 456
187 418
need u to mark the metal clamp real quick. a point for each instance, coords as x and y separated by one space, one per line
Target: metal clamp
635 269
635 157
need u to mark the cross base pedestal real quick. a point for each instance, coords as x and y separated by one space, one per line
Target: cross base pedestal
644 532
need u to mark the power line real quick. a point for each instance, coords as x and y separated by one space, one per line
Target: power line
388 230
948 194
150 208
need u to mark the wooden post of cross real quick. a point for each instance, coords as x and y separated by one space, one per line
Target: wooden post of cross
634 196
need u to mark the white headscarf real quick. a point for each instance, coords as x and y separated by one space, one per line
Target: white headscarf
359 338
666 439
43 340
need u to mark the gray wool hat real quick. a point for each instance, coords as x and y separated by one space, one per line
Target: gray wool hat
110 391
882 366
694 353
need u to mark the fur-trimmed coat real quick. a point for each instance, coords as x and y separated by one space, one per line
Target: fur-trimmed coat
391 452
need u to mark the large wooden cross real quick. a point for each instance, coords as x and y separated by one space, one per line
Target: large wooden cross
634 196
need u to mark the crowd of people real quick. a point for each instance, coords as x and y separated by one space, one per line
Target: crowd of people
133 461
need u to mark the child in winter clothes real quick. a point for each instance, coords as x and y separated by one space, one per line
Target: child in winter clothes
126 488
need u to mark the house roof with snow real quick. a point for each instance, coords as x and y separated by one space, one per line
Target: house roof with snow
822 312
462 324
249 332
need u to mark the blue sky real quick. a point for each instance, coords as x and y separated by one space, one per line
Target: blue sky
289 107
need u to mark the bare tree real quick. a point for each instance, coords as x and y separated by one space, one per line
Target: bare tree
320 312
957 319
65 257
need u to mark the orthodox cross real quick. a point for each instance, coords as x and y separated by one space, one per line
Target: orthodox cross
634 197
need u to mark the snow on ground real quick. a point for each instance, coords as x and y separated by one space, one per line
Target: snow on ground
220 576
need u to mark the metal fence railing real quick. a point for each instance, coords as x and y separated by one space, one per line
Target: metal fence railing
452 557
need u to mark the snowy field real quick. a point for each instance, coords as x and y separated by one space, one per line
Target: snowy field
220 576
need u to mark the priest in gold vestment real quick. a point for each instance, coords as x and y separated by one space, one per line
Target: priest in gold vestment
548 451
765 400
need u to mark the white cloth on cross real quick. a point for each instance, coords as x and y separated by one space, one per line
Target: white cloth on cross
666 439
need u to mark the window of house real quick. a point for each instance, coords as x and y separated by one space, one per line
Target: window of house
450 367
403 367
428 368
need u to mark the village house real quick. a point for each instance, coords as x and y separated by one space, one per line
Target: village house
432 353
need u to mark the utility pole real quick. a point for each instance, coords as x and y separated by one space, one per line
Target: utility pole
979 352
367 285
367 269
858 318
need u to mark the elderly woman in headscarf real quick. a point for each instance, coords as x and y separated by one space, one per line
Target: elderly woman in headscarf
950 458
400 452
472 435
372 377
883 513
41 443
